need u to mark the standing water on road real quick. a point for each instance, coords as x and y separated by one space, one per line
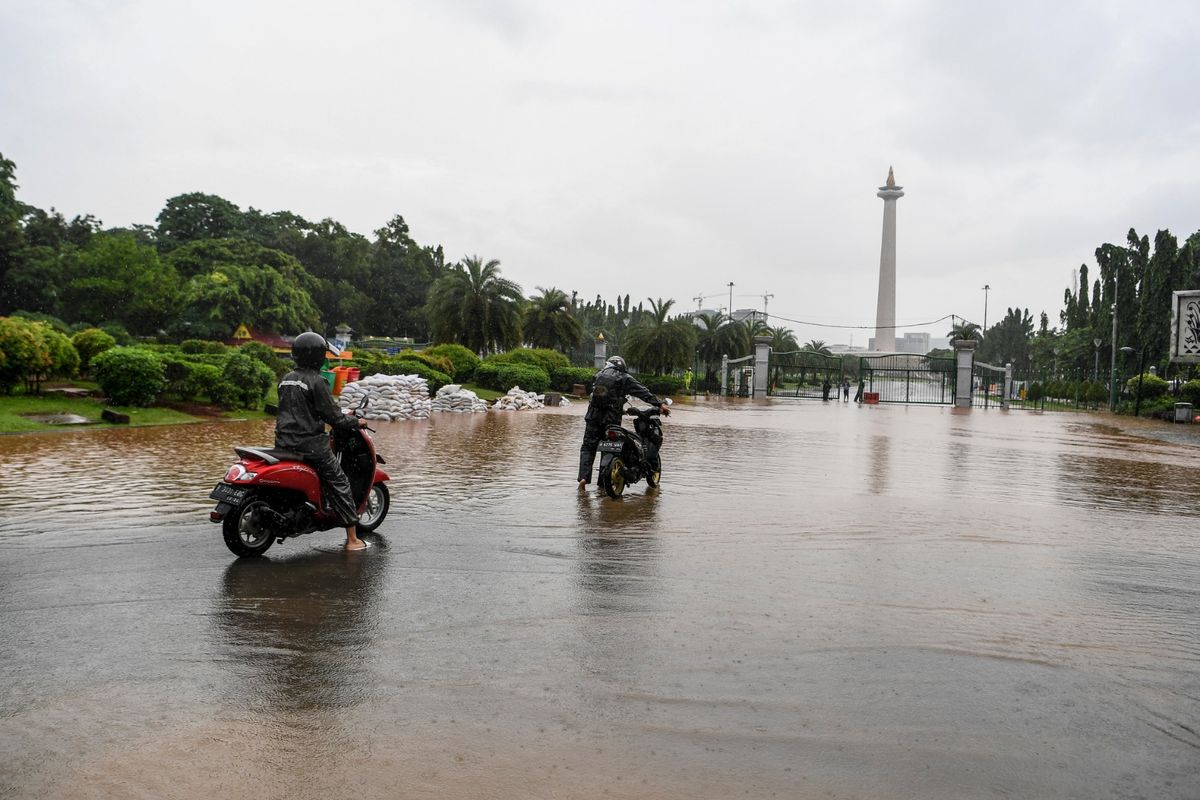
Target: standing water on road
822 600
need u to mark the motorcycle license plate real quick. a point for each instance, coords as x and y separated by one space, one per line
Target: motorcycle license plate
611 447
227 493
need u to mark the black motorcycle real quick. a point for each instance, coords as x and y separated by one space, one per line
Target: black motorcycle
628 456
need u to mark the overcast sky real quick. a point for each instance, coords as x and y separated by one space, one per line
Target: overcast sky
662 149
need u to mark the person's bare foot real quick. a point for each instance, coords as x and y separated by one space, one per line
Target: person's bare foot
582 484
357 544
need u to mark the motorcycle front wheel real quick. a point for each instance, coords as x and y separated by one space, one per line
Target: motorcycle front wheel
612 477
246 535
376 508
654 472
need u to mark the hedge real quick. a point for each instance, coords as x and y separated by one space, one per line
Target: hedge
547 360
89 343
129 376
502 377
564 378
461 359
662 385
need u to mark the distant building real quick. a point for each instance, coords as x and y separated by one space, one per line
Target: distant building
913 343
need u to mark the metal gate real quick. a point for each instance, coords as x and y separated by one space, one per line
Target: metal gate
988 385
805 373
907 378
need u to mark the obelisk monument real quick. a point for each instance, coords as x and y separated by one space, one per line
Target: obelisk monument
885 310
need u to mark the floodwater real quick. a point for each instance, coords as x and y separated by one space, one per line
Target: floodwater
823 600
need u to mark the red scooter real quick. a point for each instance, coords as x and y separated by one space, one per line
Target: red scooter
270 495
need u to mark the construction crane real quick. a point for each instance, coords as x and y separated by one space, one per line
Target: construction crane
700 298
765 297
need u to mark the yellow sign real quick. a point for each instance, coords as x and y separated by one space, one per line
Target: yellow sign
242 332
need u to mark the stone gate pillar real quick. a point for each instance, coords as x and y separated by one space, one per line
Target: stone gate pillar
601 351
964 363
1007 385
762 363
724 375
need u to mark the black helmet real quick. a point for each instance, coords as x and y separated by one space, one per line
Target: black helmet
616 362
308 350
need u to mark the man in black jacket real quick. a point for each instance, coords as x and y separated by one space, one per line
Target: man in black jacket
305 405
609 389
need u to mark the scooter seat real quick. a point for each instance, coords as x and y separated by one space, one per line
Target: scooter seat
270 455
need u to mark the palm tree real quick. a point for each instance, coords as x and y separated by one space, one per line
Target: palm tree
471 305
549 321
965 330
817 346
659 344
783 340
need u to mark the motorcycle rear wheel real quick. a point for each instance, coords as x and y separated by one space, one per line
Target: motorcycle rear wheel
376 508
245 535
612 477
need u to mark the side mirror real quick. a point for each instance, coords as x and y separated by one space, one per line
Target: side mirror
668 402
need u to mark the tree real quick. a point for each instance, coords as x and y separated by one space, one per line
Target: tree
549 322
658 344
401 273
115 279
12 238
817 346
1008 340
193 216
965 331
472 305
783 340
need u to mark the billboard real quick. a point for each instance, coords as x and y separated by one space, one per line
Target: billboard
1185 327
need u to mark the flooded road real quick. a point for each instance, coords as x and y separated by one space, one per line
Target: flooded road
823 600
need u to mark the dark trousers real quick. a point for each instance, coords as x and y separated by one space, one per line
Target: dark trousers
335 486
593 431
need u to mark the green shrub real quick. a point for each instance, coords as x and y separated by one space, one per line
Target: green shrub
1096 393
194 346
129 376
1035 391
563 378
266 356
1152 386
461 359
439 363
547 360
243 383
119 334
201 381
89 343
662 385
1190 393
502 377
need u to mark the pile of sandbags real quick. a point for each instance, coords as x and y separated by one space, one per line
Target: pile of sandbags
454 399
518 399
390 397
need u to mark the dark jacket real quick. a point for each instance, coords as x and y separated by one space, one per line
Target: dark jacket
305 405
609 390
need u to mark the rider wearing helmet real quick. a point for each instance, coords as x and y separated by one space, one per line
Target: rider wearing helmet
609 389
305 405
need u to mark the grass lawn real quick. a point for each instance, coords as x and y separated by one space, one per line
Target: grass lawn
13 411
484 394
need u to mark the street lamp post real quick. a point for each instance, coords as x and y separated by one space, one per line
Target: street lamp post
731 299
1137 402
1112 393
986 287
1096 362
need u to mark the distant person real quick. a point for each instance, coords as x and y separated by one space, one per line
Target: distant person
858 395
305 405
610 387
825 387
687 381
845 390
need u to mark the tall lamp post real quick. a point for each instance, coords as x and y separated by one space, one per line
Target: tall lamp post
986 287
1137 403
731 299
1096 362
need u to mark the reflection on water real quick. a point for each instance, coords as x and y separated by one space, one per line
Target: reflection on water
821 600
291 632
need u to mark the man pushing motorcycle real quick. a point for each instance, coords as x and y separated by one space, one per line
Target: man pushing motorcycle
611 386
305 405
